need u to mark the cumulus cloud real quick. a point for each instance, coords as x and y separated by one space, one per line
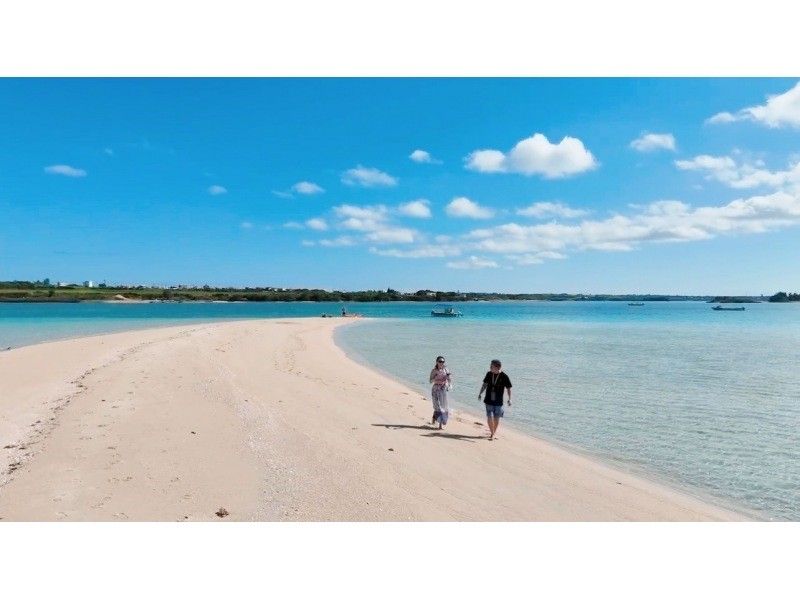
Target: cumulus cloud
246 225
423 157
650 142
536 155
740 176
362 218
374 224
293 225
317 224
660 222
464 207
392 235
419 208
545 209
425 251
529 259
343 241
217 190
307 188
515 244
721 118
778 111
65 170
473 263
368 177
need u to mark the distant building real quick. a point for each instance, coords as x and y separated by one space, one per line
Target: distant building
63 284
89 284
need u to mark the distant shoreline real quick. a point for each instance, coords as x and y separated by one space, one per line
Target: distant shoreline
45 292
620 299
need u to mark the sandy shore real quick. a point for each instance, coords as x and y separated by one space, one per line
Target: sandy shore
271 421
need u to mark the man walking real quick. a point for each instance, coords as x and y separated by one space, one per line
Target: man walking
495 383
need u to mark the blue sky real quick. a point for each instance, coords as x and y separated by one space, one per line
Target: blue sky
518 185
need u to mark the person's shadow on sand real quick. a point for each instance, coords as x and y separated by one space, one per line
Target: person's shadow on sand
433 432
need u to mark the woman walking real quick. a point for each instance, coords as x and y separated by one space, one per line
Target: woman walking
440 378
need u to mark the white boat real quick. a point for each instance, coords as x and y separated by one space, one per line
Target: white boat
445 311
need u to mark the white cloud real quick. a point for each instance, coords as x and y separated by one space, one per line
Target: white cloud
217 190
307 188
423 157
419 208
65 170
721 118
374 222
368 177
741 176
536 155
658 222
283 194
665 221
108 151
650 142
367 218
543 209
343 241
350 211
317 224
293 225
425 251
706 162
246 225
779 110
473 263
529 259
308 243
392 235
464 207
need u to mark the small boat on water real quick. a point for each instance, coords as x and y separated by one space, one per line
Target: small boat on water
635 304
720 308
445 311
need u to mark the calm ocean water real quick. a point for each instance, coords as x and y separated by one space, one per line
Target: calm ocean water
709 401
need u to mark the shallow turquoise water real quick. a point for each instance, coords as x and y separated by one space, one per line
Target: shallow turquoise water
706 400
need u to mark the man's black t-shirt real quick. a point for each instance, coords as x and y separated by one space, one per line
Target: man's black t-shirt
496 385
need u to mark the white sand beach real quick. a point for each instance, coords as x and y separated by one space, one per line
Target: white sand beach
271 421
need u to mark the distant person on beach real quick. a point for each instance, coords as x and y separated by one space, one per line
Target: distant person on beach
495 383
440 378
344 312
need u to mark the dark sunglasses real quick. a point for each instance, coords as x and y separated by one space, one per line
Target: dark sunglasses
440 361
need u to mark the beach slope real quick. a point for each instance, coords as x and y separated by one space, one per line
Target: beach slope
270 420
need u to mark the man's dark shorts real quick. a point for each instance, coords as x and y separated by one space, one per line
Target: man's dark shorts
494 410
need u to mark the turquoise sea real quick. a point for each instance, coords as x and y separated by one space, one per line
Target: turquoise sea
706 401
